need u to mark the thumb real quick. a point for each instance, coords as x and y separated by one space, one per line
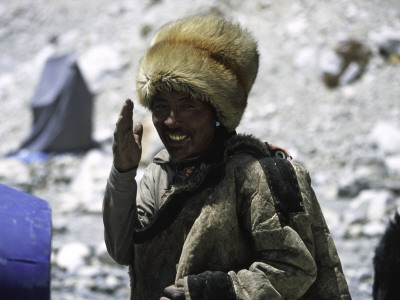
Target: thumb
138 133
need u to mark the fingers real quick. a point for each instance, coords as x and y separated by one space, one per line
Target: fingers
127 106
124 122
125 118
180 283
138 133
175 292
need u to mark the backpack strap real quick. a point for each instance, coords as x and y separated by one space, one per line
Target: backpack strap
174 205
284 187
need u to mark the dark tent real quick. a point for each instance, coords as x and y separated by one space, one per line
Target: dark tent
62 109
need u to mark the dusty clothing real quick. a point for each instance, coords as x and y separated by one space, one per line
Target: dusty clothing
247 228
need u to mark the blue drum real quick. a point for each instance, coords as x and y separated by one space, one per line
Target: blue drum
25 246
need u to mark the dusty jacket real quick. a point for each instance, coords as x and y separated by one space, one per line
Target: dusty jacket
249 228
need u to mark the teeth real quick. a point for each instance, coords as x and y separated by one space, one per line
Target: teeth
177 137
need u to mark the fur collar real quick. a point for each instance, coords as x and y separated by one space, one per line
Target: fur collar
245 143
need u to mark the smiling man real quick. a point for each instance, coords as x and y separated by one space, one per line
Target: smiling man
216 215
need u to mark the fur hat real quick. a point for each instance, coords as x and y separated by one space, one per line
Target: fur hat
206 57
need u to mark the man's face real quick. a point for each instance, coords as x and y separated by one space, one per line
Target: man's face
185 125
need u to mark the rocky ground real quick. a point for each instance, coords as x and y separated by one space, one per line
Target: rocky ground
348 136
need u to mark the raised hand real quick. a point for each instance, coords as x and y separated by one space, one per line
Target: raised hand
127 146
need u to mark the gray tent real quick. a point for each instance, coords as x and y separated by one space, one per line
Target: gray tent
62 109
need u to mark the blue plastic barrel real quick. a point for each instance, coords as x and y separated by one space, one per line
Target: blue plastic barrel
25 246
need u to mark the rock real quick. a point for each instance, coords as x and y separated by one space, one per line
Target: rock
334 222
67 203
345 64
390 49
370 168
88 184
380 203
6 80
102 254
15 173
351 187
330 66
370 205
304 59
297 26
111 283
72 256
98 61
88 271
60 225
365 173
388 42
393 166
386 136
375 228
354 230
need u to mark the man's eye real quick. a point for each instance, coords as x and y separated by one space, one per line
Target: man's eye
159 107
188 105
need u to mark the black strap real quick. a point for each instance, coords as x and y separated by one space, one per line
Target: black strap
284 187
171 209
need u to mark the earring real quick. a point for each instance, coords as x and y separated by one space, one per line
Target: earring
217 124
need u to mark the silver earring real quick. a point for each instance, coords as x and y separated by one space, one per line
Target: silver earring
217 124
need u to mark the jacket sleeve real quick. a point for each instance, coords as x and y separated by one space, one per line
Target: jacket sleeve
119 215
282 266
124 208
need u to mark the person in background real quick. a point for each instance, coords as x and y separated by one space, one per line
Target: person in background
217 214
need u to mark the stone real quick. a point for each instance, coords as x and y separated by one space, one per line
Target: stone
345 64
102 254
388 42
380 203
393 165
60 225
99 61
297 26
370 205
15 173
369 168
386 136
330 65
68 203
72 256
111 283
373 229
304 59
364 173
88 184
354 230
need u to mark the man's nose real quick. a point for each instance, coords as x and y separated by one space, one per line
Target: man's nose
171 120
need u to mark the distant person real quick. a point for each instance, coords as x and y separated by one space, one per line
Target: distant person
386 263
216 214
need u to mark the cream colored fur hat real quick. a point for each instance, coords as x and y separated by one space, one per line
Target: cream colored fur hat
206 57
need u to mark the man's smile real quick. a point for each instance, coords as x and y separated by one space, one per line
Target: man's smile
178 137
